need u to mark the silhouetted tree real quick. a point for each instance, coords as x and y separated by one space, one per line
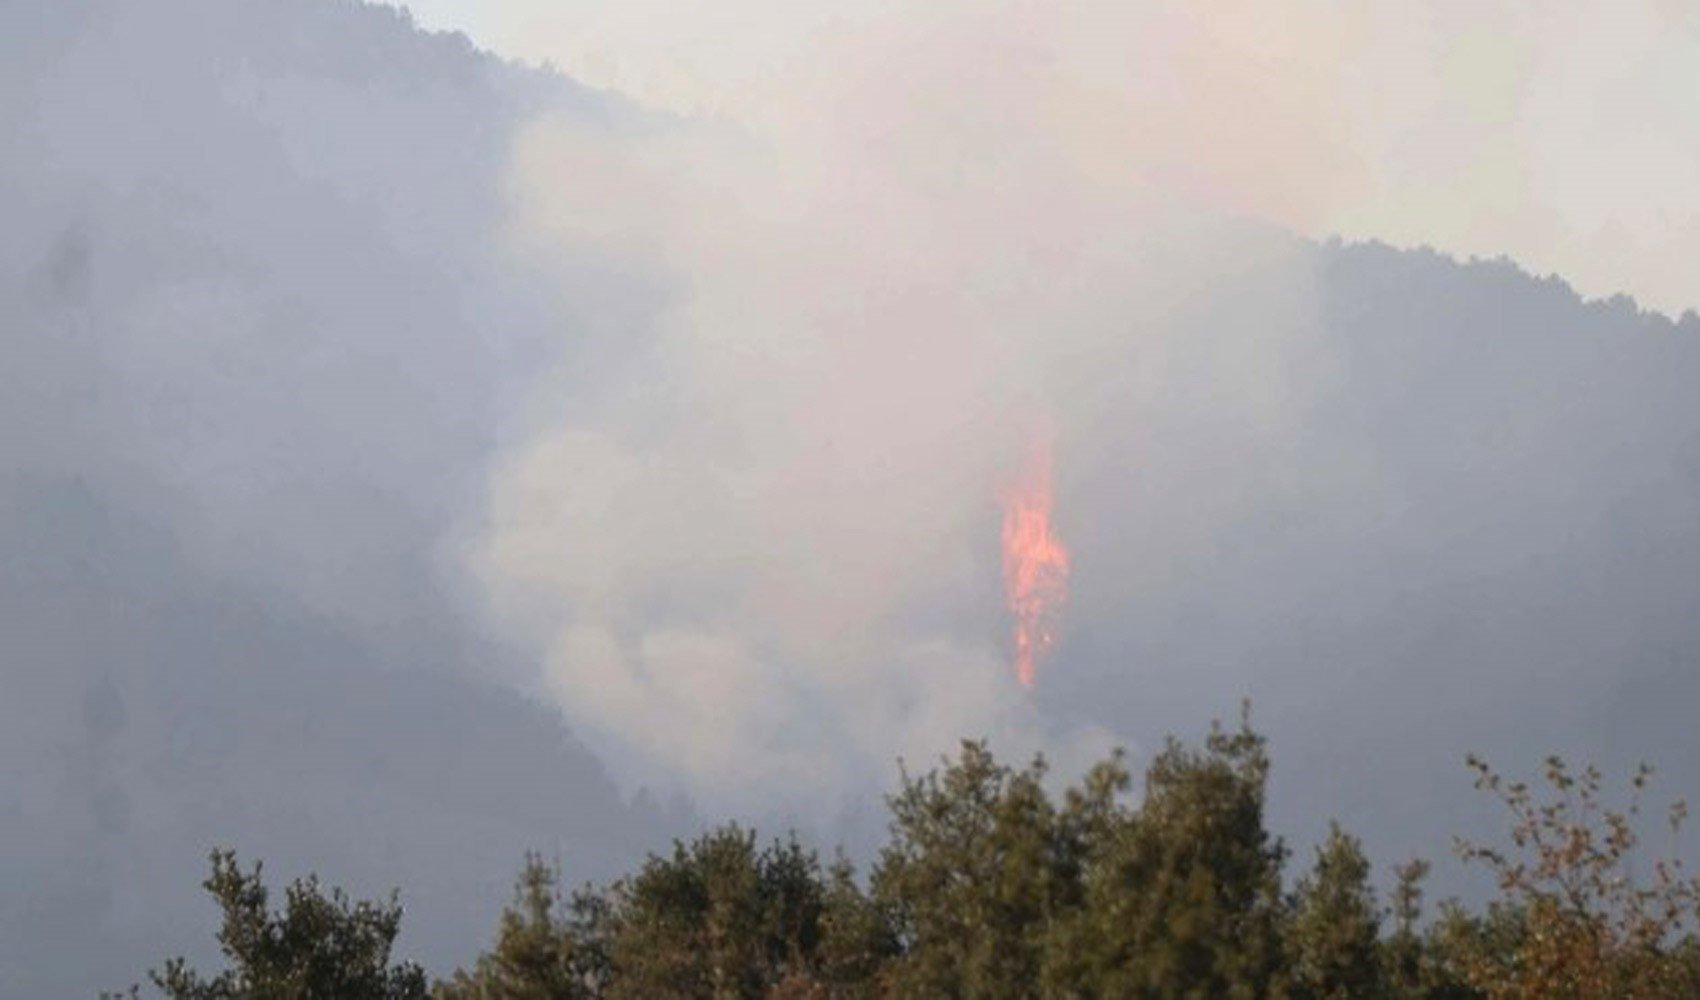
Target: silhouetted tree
987 887
319 946
1572 920
858 938
1183 895
548 947
716 919
1333 936
977 870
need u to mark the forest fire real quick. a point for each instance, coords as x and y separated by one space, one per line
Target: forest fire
1035 563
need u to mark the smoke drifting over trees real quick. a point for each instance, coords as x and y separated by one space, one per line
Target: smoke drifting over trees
407 459
988 886
255 345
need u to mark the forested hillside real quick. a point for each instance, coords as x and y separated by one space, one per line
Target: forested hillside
245 263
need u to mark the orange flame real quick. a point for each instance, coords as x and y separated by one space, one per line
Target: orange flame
1035 564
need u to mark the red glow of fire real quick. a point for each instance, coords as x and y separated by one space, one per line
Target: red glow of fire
1035 564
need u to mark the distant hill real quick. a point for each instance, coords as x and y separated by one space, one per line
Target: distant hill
257 337
261 343
1475 526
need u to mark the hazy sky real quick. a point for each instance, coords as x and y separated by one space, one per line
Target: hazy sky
1564 135
894 232
406 460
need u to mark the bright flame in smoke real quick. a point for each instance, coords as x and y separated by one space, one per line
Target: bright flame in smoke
1035 564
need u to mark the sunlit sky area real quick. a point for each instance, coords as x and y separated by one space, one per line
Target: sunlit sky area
1566 136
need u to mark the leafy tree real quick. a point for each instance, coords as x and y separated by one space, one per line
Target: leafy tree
1183 896
1421 963
1402 953
857 937
547 948
1093 816
718 919
976 871
319 946
989 888
1333 935
1573 921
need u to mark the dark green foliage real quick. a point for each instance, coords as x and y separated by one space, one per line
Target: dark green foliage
1402 953
858 938
1183 895
716 918
990 887
1333 935
548 947
1419 963
977 869
719 918
321 945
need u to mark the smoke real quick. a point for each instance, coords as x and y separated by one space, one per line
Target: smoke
761 557
1562 135
255 343
298 301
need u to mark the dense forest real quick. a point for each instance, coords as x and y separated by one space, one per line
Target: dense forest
990 886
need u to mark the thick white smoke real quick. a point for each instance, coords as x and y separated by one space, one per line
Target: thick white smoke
760 555
763 559
1563 135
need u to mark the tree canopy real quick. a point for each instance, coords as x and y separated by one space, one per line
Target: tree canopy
990 886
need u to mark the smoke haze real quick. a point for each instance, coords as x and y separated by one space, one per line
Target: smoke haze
407 458
1562 136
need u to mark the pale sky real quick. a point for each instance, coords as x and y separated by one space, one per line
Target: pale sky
1565 136
404 464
